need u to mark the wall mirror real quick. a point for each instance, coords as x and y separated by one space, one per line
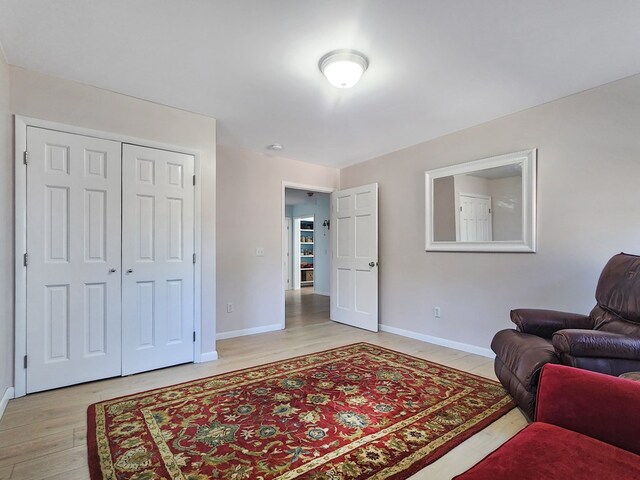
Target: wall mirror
487 205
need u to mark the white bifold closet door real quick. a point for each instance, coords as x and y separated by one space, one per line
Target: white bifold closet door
157 258
110 273
73 248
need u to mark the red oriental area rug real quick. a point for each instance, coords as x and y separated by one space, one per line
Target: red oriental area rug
355 412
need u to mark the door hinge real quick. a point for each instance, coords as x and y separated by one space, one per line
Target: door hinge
194 258
194 336
26 260
25 157
25 361
194 180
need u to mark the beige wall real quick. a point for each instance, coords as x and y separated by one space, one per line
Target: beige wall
468 184
444 209
6 233
48 98
249 216
506 200
588 210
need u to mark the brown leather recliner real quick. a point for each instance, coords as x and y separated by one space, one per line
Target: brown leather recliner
606 341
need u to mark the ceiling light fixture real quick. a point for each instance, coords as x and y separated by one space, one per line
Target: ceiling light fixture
276 147
343 68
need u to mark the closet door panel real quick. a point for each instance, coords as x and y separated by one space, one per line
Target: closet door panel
73 244
158 245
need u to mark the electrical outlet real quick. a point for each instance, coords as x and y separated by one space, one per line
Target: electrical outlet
229 307
260 252
437 312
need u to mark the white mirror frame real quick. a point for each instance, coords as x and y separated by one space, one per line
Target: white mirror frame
528 160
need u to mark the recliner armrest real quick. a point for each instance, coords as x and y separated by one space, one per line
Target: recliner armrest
597 405
544 323
596 343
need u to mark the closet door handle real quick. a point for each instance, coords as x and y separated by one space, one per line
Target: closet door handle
112 270
130 270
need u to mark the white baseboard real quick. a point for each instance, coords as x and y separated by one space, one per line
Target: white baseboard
326 294
249 331
8 395
208 356
465 347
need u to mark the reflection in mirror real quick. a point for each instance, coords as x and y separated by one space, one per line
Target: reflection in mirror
480 206
485 205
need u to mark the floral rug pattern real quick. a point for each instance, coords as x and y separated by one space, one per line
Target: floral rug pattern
355 412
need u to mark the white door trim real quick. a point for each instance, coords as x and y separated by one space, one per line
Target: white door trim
296 258
287 245
298 186
20 234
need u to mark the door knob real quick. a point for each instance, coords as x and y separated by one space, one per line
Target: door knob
372 264
130 270
112 270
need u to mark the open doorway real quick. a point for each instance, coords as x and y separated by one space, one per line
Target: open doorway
304 265
306 255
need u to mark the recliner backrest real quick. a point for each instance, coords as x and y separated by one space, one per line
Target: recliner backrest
618 296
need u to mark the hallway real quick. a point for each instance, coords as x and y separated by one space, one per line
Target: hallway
303 307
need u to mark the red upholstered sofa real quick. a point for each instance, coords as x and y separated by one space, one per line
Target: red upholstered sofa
587 426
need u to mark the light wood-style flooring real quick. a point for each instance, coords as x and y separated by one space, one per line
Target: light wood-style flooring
43 436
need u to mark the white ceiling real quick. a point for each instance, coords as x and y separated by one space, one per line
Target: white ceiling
505 171
293 196
436 66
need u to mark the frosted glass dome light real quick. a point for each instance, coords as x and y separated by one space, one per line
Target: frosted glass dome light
343 68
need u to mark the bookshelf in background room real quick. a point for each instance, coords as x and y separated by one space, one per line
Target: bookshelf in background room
306 252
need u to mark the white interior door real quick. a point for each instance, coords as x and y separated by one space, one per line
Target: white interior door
157 258
73 248
475 218
354 266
